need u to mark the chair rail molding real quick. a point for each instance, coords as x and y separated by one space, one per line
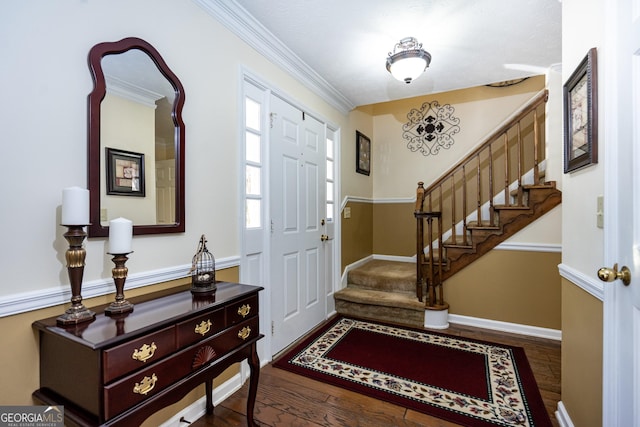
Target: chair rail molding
43 298
586 283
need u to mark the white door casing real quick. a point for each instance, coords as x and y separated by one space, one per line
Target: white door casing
621 91
297 204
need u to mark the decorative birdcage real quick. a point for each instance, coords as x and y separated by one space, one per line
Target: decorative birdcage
203 270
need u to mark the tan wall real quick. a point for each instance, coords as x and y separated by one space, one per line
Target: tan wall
128 125
357 233
520 287
509 286
394 229
19 356
582 317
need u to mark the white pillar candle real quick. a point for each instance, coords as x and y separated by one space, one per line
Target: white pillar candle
75 206
120 236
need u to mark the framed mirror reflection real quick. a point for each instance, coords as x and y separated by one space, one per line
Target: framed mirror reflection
135 107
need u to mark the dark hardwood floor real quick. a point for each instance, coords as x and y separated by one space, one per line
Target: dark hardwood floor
287 399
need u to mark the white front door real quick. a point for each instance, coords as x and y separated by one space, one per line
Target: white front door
621 91
297 204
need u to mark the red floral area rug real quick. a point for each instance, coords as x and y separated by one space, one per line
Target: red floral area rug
468 382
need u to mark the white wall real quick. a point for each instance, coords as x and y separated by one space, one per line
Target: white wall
582 240
46 81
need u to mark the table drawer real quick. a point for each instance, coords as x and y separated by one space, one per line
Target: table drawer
199 328
242 310
145 383
125 358
237 335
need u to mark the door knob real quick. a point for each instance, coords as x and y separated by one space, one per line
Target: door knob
610 274
324 238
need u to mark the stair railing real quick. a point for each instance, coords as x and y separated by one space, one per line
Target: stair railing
515 147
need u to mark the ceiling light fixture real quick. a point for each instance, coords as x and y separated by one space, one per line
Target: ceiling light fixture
408 60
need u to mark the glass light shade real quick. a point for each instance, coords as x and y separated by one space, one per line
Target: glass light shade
407 68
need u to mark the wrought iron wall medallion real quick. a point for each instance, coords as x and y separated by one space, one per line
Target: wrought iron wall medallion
430 128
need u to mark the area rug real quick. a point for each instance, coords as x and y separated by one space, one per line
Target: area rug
468 382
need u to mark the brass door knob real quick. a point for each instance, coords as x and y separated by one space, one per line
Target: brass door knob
610 274
324 237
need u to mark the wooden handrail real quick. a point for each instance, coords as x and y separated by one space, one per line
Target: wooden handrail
540 98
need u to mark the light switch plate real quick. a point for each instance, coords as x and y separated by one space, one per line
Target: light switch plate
347 212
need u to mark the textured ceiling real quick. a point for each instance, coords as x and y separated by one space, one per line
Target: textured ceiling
472 42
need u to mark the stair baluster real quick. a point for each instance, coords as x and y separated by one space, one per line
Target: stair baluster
513 142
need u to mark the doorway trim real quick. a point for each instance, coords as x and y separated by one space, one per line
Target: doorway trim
248 77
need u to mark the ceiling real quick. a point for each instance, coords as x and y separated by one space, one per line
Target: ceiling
472 42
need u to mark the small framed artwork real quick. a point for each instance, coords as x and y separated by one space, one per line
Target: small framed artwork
580 94
363 154
125 173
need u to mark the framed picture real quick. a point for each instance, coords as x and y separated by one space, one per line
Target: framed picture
125 173
363 154
580 94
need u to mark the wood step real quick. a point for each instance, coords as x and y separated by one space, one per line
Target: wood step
527 187
511 207
484 225
458 243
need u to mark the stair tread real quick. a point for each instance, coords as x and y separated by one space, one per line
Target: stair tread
458 243
436 260
382 298
482 226
384 275
511 207
544 186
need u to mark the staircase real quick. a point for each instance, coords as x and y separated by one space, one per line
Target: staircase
459 218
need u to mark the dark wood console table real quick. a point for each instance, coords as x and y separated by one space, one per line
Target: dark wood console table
119 370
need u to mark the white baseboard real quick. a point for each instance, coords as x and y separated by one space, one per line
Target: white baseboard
562 416
496 325
516 328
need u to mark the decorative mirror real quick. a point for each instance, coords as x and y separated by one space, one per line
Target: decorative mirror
136 140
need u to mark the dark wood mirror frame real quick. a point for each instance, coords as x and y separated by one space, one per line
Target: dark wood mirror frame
94 151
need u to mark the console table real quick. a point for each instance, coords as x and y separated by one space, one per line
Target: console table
119 370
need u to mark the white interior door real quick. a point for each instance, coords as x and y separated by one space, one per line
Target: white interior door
621 90
297 204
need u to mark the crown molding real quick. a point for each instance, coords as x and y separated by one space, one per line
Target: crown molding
132 92
252 32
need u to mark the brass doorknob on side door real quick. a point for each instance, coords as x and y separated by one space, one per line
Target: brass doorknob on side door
610 274
324 238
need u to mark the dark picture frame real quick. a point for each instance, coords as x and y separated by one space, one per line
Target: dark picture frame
363 153
125 173
580 94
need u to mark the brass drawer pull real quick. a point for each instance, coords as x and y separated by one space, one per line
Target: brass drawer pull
244 333
244 310
146 385
145 352
203 327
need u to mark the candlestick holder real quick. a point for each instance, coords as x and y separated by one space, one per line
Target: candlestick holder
119 273
75 257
